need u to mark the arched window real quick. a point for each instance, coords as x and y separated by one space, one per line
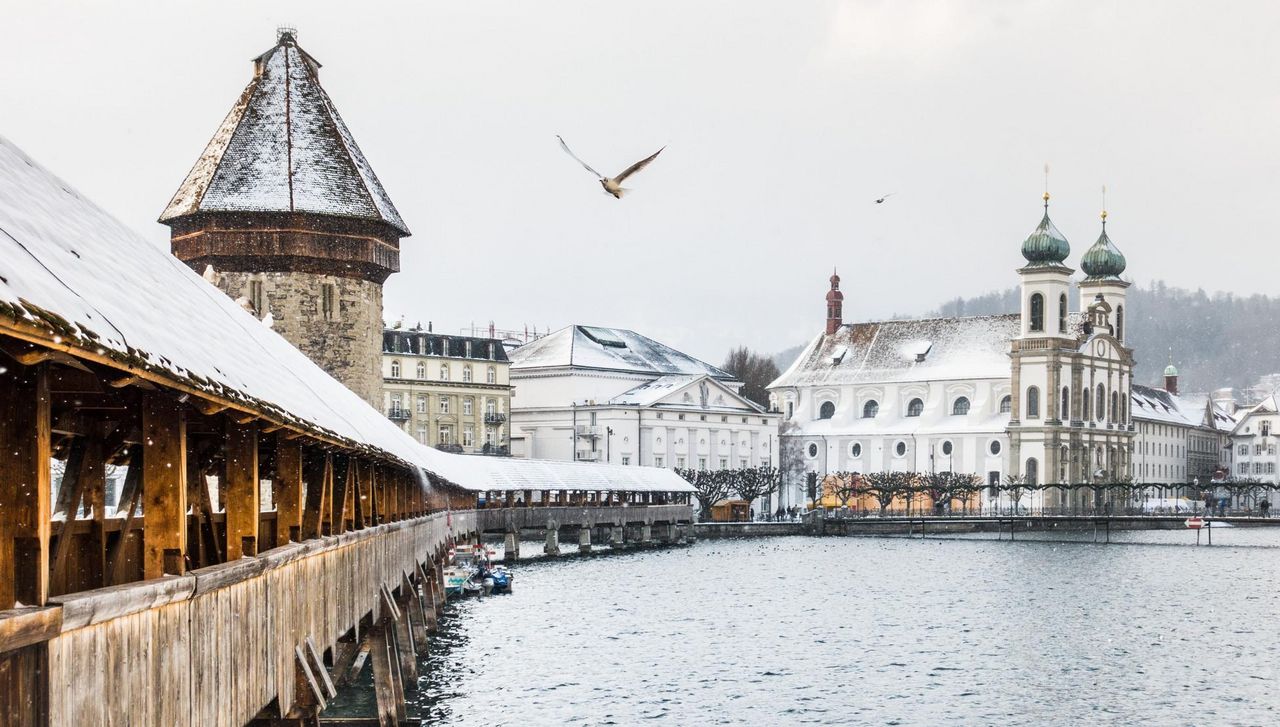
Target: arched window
422 370
870 409
1062 313
827 410
960 407
1037 312
444 372
1033 402
466 374
1033 471
1100 410
395 369
1120 324
1006 404
915 408
1115 407
1123 412
1084 406
1066 404
492 376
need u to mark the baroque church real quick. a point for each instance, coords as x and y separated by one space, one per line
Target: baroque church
1040 395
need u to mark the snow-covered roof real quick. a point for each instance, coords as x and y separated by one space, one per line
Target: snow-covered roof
930 349
1195 410
719 398
1269 405
73 272
284 148
613 349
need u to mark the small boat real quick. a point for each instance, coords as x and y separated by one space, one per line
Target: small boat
501 579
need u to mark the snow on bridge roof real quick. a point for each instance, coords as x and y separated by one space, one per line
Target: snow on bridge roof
74 272
504 473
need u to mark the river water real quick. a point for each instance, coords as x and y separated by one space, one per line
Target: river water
876 631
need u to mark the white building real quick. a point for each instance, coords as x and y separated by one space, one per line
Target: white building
612 395
1042 394
1179 439
1253 442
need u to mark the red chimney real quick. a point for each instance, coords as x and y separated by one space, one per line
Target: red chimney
835 305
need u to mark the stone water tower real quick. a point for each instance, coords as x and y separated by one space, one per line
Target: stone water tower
287 211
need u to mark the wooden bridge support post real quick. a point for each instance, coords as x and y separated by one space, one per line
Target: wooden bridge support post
584 539
243 505
646 534
25 441
164 486
343 480
617 537
511 546
287 490
552 546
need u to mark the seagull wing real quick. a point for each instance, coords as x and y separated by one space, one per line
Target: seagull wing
637 166
576 159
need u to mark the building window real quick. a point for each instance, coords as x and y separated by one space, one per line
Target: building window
915 408
467 405
900 449
1006 404
855 450
680 462
1084 406
468 436
1243 468
446 434
1265 429
946 448
422 403
1120 324
870 409
995 447
1115 407
791 410
812 449
256 299
491 375
1257 448
1100 410
742 463
724 463
1243 449
702 463
466 374
1037 312
328 301
489 435
422 370
395 404
827 410
444 372
961 407
626 460
1033 402
1062 313
1033 471
657 461
395 369
490 407
444 405
422 436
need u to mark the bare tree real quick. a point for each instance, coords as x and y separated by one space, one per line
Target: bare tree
845 486
884 486
754 370
708 487
752 483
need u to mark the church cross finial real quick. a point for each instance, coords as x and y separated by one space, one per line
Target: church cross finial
1046 186
1104 206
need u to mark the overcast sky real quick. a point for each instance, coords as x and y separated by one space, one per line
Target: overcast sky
784 121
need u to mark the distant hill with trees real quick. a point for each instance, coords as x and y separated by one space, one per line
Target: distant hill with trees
1215 339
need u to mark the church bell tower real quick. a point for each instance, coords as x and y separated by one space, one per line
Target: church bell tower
287 213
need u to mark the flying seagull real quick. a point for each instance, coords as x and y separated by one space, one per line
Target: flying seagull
612 185
887 196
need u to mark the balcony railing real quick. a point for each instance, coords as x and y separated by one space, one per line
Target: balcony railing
588 430
495 418
586 455
398 415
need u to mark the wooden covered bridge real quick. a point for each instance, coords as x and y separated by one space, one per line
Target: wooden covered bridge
197 525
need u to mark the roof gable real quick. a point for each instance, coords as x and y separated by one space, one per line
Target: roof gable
284 148
687 391
613 349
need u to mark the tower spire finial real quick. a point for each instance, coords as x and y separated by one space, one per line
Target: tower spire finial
1046 187
1104 206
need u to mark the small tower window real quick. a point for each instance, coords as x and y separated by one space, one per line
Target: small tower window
870 409
1120 324
961 407
395 369
1062 313
256 298
827 410
1037 312
915 408
1006 404
328 301
1033 402
1066 404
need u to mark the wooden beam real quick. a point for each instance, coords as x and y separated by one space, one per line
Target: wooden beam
130 497
25 441
314 476
164 486
208 408
95 492
344 467
243 505
75 481
287 490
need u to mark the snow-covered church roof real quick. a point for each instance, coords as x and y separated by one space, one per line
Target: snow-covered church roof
611 349
75 277
284 148
931 349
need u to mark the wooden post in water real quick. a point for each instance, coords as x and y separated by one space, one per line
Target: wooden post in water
164 485
25 440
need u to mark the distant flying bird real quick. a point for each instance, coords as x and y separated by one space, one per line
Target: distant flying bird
887 196
612 185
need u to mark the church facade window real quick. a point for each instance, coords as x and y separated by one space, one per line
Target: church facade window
1100 410
1062 313
1033 402
1037 312
870 409
1066 404
1032 471
827 410
901 449
915 408
1120 324
960 407
1006 404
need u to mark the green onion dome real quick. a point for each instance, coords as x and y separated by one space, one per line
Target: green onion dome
1170 370
1045 246
1103 261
